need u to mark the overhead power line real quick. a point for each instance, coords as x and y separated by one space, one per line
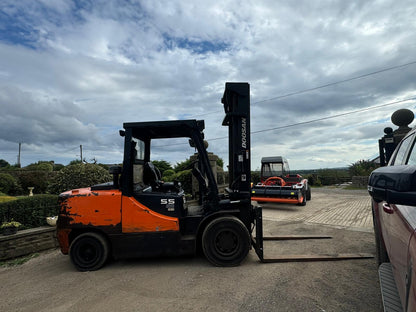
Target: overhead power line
322 86
325 118
309 121
335 83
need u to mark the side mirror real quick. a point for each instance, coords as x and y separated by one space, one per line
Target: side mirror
394 184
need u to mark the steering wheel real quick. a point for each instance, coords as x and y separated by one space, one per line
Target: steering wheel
275 180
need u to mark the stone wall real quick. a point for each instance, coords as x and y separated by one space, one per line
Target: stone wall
27 241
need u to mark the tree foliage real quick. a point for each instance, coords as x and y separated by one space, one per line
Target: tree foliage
162 165
184 177
362 168
40 166
4 164
77 176
183 165
8 184
39 179
220 162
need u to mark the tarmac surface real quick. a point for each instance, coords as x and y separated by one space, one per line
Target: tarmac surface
49 282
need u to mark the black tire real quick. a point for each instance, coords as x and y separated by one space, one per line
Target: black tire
308 193
303 203
89 251
226 241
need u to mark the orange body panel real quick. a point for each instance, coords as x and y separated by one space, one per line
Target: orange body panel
63 239
137 218
97 208
278 200
110 208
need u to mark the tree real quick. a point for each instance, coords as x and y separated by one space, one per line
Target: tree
362 168
41 166
75 161
4 164
162 165
57 167
77 176
8 184
183 165
220 162
39 179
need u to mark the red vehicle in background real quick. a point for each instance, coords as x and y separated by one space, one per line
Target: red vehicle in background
393 192
277 185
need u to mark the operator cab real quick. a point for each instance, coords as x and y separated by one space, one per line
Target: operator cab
146 176
143 180
277 166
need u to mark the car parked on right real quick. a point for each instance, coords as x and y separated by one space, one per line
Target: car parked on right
393 192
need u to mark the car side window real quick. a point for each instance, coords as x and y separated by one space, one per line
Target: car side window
401 155
412 156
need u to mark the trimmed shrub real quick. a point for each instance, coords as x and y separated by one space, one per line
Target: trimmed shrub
77 176
40 166
185 177
30 211
5 198
7 183
38 179
168 173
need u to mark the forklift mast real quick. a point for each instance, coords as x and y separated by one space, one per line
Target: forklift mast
236 100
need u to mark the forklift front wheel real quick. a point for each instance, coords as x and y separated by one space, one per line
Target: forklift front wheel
226 241
89 251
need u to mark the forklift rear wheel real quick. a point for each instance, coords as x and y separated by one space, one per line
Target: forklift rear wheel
89 252
226 241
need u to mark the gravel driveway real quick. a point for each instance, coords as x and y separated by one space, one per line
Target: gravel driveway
50 283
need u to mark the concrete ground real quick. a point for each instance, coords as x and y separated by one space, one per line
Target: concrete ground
50 282
334 206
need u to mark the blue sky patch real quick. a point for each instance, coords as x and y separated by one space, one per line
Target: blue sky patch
13 31
195 45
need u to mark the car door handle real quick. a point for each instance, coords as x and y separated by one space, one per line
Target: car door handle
387 208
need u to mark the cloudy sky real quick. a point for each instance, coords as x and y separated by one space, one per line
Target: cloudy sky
71 72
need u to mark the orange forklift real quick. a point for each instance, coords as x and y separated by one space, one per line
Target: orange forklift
138 215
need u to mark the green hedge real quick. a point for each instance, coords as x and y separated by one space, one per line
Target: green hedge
30 211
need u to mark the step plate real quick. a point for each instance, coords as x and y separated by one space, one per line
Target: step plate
389 294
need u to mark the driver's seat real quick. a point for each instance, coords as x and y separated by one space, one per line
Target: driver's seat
151 175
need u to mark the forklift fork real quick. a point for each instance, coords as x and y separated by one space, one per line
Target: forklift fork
258 246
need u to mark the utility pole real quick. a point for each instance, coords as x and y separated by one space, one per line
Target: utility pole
18 156
80 149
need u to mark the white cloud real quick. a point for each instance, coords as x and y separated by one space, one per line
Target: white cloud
71 74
